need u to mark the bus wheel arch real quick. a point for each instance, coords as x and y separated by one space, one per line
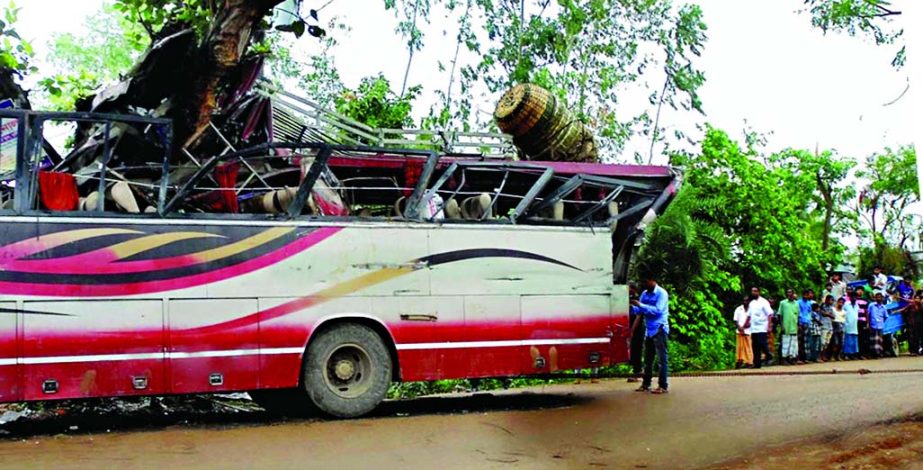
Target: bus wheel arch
347 368
367 321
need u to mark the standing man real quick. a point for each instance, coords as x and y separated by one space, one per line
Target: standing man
789 312
636 323
879 282
878 313
760 314
744 345
837 287
905 289
654 305
862 306
805 307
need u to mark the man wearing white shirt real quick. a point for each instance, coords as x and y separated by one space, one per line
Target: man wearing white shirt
880 282
744 344
760 314
837 289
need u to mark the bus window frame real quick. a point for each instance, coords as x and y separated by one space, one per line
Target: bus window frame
30 146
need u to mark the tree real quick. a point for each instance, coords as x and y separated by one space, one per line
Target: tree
374 104
212 40
15 58
883 204
690 256
824 175
764 209
859 17
108 49
741 219
588 51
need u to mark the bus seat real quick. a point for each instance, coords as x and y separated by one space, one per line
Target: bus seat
89 203
476 207
124 198
555 212
613 211
451 209
399 206
272 202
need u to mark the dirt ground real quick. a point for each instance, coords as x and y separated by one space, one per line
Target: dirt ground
725 421
894 445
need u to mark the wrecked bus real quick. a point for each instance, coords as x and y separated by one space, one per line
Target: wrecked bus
306 273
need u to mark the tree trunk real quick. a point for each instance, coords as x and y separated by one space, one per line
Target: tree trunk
10 89
219 53
827 192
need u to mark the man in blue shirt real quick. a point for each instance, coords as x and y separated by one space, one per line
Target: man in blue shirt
654 306
878 313
805 307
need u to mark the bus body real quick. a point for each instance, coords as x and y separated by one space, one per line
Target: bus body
119 308
330 310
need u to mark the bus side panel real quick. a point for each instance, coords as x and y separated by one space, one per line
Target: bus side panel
92 348
419 325
520 262
621 341
487 344
212 347
356 261
9 370
572 327
285 326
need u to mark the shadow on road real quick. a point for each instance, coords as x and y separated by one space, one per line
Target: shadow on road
74 417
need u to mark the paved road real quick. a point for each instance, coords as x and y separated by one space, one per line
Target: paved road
703 421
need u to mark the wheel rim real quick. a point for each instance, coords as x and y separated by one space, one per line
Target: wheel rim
348 371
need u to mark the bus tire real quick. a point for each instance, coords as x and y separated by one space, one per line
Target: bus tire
347 370
285 402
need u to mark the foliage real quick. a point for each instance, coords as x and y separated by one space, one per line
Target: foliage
375 105
871 18
320 77
742 219
588 51
893 187
765 210
824 175
689 255
107 50
153 15
890 259
15 52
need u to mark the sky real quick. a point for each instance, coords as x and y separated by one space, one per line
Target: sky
767 70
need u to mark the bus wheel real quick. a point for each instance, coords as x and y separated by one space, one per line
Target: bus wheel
284 402
347 370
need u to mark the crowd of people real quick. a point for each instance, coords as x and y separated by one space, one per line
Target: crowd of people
843 323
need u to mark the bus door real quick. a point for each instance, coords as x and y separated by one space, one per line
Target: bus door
213 345
9 368
88 348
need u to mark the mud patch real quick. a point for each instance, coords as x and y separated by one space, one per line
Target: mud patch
221 411
888 445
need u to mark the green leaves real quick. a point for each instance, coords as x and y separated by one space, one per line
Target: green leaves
375 105
15 53
107 49
870 18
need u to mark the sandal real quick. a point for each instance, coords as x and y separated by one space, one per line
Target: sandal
659 391
643 389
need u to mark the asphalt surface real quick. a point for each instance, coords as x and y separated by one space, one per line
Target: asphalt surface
703 421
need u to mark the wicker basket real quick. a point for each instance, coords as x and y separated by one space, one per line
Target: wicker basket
541 126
